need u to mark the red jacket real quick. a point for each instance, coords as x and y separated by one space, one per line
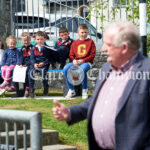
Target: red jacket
83 49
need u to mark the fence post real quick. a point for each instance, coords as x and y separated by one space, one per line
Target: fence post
35 125
142 14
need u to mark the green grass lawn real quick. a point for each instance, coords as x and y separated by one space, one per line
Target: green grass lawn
71 135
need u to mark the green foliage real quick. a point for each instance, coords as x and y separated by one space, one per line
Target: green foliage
131 9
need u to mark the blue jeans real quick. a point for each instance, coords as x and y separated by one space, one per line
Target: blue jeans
43 70
85 67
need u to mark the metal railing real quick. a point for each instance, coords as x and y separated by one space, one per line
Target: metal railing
49 15
16 116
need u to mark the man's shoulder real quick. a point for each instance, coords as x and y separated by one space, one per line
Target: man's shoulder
105 66
146 63
141 59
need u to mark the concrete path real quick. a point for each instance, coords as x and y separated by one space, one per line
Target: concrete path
43 97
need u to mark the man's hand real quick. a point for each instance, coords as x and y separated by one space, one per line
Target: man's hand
61 112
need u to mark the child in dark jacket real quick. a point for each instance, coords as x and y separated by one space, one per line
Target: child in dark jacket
9 60
24 61
25 54
39 62
63 46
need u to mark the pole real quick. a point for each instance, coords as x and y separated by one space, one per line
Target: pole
143 34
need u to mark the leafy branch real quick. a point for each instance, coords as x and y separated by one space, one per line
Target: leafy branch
130 7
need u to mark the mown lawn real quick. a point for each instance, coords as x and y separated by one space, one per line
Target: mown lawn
73 135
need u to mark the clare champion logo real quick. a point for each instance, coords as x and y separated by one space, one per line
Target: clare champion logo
75 75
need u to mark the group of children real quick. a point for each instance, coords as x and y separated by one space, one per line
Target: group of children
38 58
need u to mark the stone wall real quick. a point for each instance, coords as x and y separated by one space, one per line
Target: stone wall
99 60
57 81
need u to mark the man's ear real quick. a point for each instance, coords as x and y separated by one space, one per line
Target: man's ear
125 48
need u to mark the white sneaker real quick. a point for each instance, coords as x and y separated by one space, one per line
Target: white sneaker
84 93
70 94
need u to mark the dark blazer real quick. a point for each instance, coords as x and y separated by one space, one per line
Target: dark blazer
132 122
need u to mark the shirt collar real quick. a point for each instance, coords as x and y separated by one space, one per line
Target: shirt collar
29 46
127 65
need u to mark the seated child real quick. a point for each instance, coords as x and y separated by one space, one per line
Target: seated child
39 62
63 46
25 53
82 54
9 60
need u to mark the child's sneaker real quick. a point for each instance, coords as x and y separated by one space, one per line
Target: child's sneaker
11 89
4 84
84 93
2 91
27 92
70 94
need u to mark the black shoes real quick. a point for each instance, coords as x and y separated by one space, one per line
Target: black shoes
62 66
45 92
11 89
32 93
53 66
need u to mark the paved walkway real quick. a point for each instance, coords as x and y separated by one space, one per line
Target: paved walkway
43 97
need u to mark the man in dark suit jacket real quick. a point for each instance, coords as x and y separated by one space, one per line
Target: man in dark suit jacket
118 113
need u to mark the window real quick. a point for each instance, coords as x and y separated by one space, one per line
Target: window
120 2
20 5
29 22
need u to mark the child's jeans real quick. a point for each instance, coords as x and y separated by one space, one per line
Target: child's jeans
43 72
85 67
7 72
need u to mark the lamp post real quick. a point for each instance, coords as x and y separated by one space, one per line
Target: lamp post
143 34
